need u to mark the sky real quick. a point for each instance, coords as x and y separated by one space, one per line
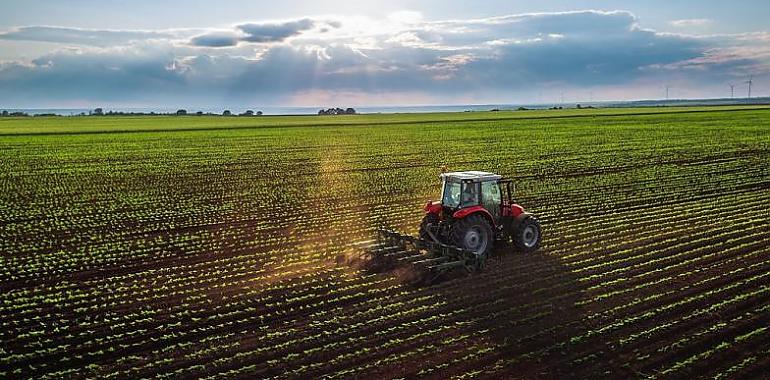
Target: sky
208 54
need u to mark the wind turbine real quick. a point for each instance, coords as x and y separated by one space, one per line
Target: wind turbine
749 82
668 87
732 90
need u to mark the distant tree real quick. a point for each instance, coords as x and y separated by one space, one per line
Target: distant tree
199 113
97 112
181 112
259 113
227 113
5 113
248 113
578 106
337 111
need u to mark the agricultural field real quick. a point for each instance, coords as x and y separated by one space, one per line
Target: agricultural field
215 247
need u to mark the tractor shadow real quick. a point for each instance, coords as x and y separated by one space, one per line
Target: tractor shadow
521 309
526 306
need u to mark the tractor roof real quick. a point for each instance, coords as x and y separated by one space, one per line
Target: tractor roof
474 176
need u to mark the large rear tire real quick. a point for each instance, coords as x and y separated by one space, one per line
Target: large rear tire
431 219
473 233
527 234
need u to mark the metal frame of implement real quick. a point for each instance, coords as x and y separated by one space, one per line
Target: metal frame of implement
434 259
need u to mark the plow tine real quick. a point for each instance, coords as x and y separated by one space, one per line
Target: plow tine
366 243
429 262
382 251
371 246
416 257
430 259
400 255
448 265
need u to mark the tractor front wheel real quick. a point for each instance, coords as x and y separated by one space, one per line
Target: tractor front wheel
473 233
527 234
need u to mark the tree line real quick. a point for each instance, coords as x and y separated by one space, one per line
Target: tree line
337 111
180 112
101 112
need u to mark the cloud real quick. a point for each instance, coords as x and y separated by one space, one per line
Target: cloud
91 37
274 32
585 25
506 58
262 33
89 75
691 22
216 39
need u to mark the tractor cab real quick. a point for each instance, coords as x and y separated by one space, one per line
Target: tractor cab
469 189
476 208
480 191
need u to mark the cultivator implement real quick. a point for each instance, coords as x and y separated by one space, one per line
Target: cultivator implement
429 259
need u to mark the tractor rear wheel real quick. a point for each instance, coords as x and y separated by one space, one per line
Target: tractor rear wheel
431 219
473 233
527 234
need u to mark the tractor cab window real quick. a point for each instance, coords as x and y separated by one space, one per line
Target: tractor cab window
470 196
460 194
451 194
491 197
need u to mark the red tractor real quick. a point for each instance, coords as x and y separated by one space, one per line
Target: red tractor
474 214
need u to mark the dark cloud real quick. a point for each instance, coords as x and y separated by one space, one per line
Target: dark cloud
91 77
567 59
79 36
275 32
261 33
216 39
